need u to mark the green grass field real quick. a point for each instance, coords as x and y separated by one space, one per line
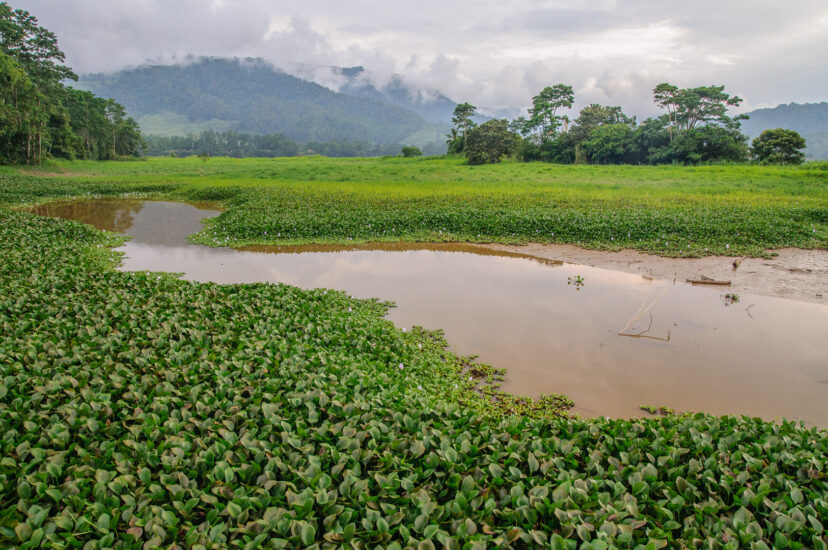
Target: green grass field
141 410
669 210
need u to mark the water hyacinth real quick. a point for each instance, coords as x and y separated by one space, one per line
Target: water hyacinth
147 412
376 199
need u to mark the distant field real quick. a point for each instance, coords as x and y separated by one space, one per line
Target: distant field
669 210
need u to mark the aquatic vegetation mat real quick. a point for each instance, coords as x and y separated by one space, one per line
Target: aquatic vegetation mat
140 410
669 210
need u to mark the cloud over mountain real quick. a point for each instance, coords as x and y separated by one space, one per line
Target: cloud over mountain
494 54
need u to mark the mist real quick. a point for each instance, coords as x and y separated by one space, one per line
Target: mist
493 54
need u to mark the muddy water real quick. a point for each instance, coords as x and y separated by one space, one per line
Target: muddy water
692 350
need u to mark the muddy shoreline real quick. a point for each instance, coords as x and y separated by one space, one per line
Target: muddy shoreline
793 273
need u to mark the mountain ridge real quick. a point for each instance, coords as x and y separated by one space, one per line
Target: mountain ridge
810 120
251 95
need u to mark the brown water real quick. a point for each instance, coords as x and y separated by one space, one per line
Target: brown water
761 356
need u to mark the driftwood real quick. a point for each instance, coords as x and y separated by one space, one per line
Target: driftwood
643 333
641 312
702 280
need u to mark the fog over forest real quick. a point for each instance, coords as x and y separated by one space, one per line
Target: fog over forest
493 54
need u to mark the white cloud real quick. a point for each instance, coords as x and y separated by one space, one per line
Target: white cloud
495 54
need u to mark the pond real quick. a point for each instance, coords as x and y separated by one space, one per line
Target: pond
555 327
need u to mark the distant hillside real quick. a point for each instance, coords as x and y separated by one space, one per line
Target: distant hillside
251 96
809 119
431 105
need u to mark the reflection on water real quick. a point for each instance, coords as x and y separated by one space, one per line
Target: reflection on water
147 222
761 356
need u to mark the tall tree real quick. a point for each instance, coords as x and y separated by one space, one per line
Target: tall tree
463 120
543 115
463 117
39 116
692 107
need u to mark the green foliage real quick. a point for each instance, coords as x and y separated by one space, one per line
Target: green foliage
487 143
707 144
142 410
694 107
668 210
695 130
611 144
463 124
571 145
39 117
779 146
462 118
543 120
411 151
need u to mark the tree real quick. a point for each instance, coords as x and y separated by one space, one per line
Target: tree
17 102
611 144
779 146
411 151
665 96
34 47
488 142
543 115
589 119
652 141
39 116
693 107
463 124
708 144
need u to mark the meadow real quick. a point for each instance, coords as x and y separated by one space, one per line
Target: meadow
141 410
667 210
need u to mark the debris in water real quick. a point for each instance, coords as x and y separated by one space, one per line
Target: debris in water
704 280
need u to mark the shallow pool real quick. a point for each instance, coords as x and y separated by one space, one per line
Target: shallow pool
555 327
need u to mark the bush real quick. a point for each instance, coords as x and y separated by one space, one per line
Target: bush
411 152
487 143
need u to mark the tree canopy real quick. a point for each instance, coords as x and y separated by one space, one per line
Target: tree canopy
488 142
39 116
696 128
463 120
543 118
779 146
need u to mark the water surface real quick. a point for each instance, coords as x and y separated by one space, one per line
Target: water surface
692 351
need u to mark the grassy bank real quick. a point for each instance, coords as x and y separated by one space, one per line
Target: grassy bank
669 210
141 410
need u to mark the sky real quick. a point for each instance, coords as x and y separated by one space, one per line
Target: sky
494 54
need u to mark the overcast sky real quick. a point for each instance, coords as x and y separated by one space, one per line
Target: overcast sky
495 54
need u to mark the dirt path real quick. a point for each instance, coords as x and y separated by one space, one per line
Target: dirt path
794 274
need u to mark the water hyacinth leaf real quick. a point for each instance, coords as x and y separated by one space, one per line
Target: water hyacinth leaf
307 533
200 415
23 531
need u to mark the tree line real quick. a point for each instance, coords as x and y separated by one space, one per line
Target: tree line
695 128
235 144
40 117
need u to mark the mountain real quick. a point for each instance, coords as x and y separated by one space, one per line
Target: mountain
432 105
252 96
809 119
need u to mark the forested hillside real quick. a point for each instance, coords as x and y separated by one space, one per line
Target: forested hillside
809 119
251 96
